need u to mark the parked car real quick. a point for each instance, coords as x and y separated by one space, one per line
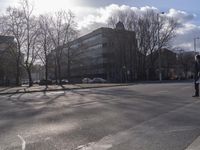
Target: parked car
64 81
44 82
54 81
98 80
86 80
36 82
25 83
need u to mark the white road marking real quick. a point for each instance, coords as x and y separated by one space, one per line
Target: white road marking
109 141
94 146
195 145
160 92
23 142
187 87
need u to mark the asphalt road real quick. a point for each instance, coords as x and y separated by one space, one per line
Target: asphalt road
138 117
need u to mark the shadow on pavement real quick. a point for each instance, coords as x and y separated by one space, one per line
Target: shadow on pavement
85 116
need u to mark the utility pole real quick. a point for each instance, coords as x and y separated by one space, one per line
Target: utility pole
159 50
195 50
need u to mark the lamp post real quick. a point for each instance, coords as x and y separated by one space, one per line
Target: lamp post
159 50
124 72
196 38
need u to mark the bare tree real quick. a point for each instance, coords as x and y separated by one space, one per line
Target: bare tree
13 24
31 33
147 28
45 43
129 19
21 23
61 28
185 62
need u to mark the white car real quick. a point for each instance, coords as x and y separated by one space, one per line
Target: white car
87 80
64 81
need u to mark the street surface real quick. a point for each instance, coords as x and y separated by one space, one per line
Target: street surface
40 88
137 117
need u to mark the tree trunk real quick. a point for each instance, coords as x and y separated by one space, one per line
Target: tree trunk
29 77
144 69
46 74
68 66
55 72
17 74
59 72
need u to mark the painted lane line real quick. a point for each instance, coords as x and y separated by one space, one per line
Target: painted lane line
160 92
195 145
109 141
23 142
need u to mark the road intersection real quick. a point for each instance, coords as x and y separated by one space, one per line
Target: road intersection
138 117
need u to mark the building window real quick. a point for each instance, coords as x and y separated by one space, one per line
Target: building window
110 44
94 38
104 44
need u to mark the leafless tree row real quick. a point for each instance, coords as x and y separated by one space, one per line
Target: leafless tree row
37 36
154 31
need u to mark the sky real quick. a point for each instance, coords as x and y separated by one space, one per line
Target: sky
92 14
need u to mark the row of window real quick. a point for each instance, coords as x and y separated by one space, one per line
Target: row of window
87 62
94 38
89 40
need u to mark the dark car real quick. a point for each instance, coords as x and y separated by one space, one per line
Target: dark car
44 82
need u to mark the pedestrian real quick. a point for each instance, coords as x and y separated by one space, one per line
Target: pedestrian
197 75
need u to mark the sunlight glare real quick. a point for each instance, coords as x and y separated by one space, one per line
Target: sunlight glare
45 6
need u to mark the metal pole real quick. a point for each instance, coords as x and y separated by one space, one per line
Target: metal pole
194 46
159 52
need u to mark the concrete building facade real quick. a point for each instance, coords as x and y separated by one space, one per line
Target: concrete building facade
7 61
107 53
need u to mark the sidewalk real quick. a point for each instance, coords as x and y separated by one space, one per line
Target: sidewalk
38 88
195 145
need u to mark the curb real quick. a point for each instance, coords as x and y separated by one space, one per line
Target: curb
64 89
96 87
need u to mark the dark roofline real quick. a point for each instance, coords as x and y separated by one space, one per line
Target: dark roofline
98 30
92 32
6 39
5 36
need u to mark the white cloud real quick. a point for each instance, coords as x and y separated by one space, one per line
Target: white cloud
91 18
98 17
101 15
185 36
181 16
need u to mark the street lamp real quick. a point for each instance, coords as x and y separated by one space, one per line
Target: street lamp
159 50
124 72
196 38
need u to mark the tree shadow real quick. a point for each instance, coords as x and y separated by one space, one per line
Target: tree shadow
4 89
97 117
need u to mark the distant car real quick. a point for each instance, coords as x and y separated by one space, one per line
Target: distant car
25 83
54 81
64 81
44 82
87 80
98 80
36 82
